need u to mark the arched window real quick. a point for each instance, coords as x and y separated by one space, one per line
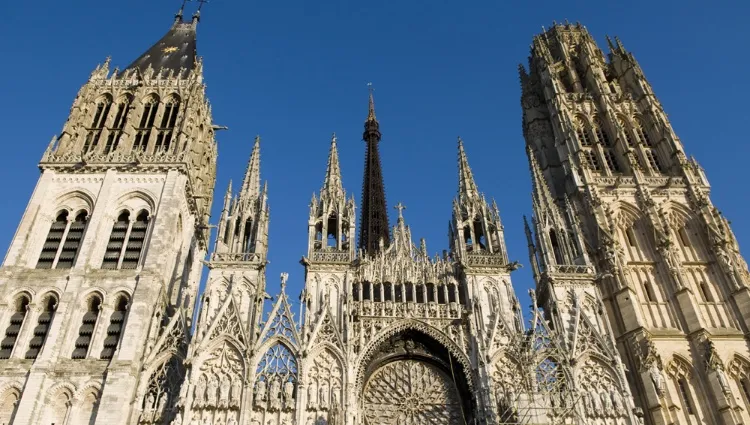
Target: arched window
114 331
21 307
143 132
43 323
609 156
126 241
685 396
479 234
648 291
94 132
556 249
706 292
626 130
88 325
630 236
591 160
468 241
9 405
63 241
582 133
318 236
601 134
168 121
121 118
332 230
247 240
640 131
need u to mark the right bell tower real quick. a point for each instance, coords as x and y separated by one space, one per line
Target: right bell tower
632 212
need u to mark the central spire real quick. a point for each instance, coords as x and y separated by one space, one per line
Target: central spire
374 222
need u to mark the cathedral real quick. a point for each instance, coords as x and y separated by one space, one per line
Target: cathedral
640 315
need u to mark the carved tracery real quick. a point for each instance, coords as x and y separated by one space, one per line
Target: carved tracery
217 393
158 405
276 380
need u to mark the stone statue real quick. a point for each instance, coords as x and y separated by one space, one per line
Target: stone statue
199 396
150 401
606 403
288 394
323 396
586 399
275 394
310 420
335 396
184 391
723 381
595 402
618 402
658 379
212 386
177 419
232 421
236 391
207 421
162 403
224 392
312 396
260 394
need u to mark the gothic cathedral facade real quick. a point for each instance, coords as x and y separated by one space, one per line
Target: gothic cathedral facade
641 311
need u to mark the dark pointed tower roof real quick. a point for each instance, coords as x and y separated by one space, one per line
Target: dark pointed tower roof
176 51
374 222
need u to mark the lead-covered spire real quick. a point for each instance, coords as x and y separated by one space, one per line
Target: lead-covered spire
374 231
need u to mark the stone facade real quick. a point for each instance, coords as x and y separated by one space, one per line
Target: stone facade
640 312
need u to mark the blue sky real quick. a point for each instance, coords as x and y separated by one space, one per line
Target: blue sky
296 71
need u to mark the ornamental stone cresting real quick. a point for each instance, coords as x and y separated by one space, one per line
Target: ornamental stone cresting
641 312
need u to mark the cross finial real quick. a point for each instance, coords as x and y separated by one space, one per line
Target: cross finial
400 207
201 3
284 278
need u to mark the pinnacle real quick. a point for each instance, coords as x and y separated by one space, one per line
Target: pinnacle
371 107
467 188
332 183
251 182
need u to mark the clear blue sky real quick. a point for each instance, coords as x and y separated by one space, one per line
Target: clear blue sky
295 71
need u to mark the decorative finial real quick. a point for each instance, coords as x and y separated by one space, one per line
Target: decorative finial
400 207
333 138
371 109
284 278
202 2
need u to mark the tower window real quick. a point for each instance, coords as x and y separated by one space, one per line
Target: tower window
114 330
612 163
143 133
247 240
592 160
42 327
115 133
705 292
601 134
332 230
14 328
648 290
684 238
88 325
126 241
642 134
745 386
630 237
63 241
685 396
583 136
479 234
100 118
556 247
653 160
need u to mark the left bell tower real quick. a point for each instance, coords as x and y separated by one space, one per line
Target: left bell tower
98 287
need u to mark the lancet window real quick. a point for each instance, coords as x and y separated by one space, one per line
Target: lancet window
20 311
116 323
248 241
63 241
166 128
115 131
126 241
143 132
43 323
87 328
332 231
94 132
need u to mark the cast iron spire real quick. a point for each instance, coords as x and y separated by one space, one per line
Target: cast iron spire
374 222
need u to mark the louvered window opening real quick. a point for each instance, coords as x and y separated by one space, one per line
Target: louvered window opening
115 133
143 132
168 121
114 330
14 328
41 330
95 131
126 242
86 331
63 242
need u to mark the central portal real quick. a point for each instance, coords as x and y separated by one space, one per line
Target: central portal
411 392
